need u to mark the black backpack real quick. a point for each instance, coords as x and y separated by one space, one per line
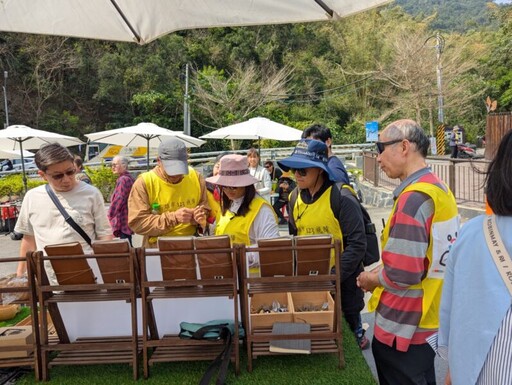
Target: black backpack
372 253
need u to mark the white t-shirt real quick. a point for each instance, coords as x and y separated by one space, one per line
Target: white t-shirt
264 186
40 217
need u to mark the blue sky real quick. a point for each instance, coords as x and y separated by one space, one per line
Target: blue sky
502 1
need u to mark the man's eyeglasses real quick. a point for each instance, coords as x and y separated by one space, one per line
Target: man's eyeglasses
381 146
268 166
60 176
300 171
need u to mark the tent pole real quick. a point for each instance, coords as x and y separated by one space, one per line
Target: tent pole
147 155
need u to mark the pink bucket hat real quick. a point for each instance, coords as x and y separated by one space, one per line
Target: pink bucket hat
233 172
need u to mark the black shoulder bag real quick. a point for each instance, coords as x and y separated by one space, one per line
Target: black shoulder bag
66 216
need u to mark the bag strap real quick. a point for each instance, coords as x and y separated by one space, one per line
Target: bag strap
498 251
222 360
66 216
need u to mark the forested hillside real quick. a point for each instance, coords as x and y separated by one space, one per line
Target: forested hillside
378 65
451 15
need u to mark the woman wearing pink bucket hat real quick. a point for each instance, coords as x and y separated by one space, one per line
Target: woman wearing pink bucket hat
245 216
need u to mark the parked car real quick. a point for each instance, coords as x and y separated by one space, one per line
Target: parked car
16 164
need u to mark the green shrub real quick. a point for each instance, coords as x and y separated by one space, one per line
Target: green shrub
103 179
11 185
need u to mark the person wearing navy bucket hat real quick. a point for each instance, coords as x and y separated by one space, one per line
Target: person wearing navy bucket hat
318 205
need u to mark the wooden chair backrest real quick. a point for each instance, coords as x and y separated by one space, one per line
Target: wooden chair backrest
312 261
70 271
274 262
177 266
216 265
113 270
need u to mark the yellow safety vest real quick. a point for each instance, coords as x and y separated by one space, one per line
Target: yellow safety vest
445 228
214 205
237 226
317 218
172 197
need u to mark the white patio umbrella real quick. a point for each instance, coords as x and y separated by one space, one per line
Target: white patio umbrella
142 135
256 128
145 21
18 137
13 154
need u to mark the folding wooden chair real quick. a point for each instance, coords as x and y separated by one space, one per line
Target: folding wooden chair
22 354
307 271
191 268
77 284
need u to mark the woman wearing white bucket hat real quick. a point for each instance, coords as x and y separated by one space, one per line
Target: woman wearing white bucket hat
245 216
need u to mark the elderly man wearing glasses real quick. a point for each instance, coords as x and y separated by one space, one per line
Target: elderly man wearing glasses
41 222
416 241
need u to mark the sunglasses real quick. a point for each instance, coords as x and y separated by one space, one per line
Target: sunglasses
381 146
60 176
230 187
268 166
300 171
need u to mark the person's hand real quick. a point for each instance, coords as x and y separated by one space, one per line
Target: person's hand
184 215
448 378
368 280
200 216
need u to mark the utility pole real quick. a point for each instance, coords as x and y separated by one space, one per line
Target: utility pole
440 101
186 108
435 143
6 75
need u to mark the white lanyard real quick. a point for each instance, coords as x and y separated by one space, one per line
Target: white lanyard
498 251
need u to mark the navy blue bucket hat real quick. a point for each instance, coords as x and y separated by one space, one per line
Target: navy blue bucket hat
308 153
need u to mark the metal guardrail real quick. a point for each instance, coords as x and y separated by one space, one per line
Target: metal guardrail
203 161
465 177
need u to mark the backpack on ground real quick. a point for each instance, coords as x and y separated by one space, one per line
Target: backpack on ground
372 253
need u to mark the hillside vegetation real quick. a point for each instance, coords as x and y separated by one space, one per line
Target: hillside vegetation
378 65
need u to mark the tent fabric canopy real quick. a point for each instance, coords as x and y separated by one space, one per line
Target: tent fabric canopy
141 135
256 128
143 21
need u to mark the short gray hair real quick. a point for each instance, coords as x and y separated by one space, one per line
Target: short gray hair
50 154
410 130
122 159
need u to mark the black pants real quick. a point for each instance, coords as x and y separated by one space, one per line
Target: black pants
455 151
126 236
414 367
278 205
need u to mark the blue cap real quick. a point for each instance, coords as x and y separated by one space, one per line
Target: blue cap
308 153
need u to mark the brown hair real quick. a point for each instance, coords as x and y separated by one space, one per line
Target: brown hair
50 154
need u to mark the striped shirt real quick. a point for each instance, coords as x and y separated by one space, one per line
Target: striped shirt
406 264
497 367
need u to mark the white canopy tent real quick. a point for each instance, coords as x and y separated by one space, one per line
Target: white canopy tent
144 21
256 128
147 135
19 137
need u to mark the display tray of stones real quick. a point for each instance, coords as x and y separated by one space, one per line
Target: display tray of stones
313 307
268 308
